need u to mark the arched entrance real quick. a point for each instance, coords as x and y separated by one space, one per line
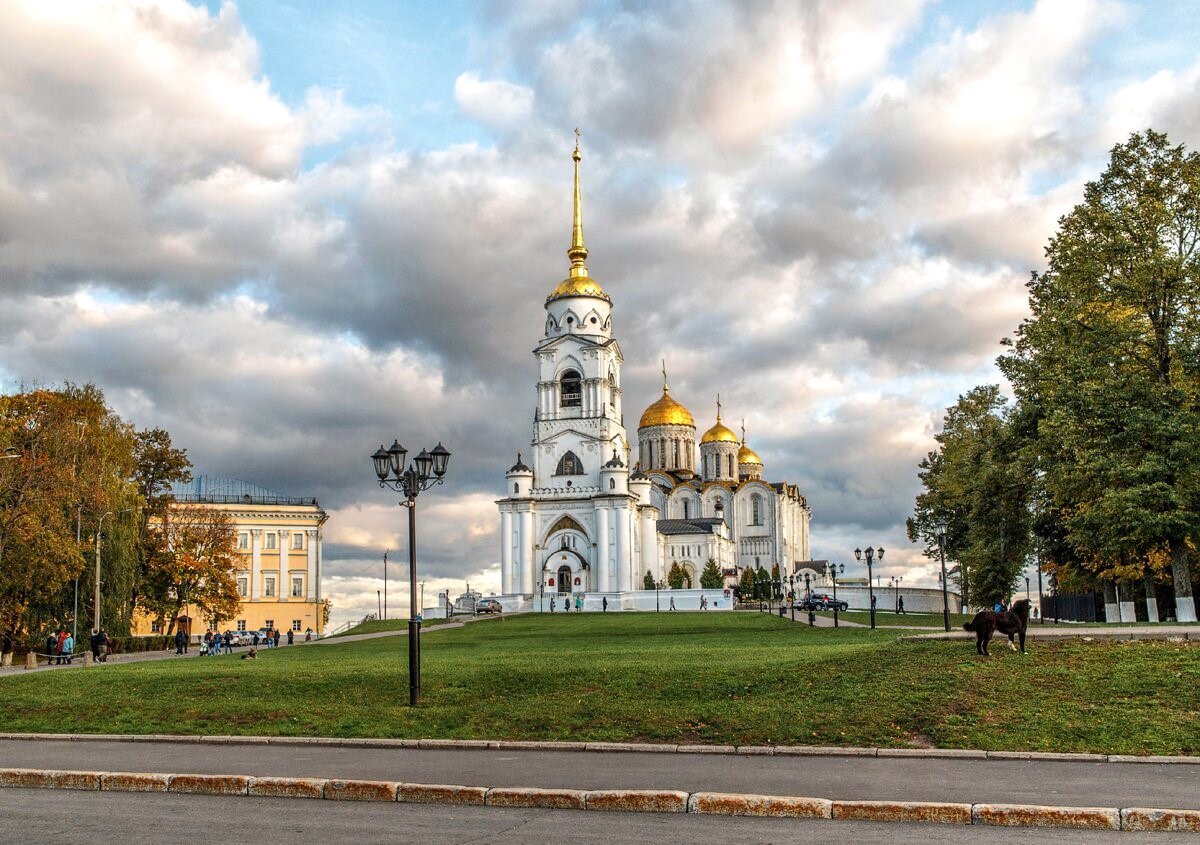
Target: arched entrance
689 576
564 579
564 566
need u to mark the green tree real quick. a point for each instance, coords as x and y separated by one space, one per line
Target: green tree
976 482
193 565
675 577
711 577
1109 363
158 466
648 581
761 588
746 583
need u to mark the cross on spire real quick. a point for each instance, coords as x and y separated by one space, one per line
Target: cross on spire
718 407
665 385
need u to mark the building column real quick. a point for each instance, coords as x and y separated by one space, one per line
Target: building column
649 546
527 552
603 576
623 561
255 563
310 589
285 577
506 553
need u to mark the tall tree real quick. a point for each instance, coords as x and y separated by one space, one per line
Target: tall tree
192 565
1110 361
977 485
158 467
711 577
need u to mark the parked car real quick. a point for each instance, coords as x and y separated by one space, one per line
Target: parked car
826 602
488 606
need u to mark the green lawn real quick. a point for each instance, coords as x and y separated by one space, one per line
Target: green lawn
737 678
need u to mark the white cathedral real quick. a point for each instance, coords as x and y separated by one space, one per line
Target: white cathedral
577 520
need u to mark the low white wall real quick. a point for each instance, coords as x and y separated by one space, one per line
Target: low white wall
916 599
645 600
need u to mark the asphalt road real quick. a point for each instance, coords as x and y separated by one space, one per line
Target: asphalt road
36 816
905 779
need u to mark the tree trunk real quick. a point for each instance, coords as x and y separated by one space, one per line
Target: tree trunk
1185 603
1111 613
1151 595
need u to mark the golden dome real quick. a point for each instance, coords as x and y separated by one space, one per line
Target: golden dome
719 433
666 411
578 286
746 455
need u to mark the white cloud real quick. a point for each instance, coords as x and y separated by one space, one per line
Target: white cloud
494 102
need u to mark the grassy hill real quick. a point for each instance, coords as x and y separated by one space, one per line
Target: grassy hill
739 678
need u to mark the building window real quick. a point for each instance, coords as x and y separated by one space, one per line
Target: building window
241 626
569 464
297 540
756 509
269 624
297 588
155 626
269 591
243 587
612 484
572 390
685 509
730 473
516 489
243 540
676 447
269 540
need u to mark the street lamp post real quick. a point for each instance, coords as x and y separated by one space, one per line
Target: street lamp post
792 594
833 572
870 556
940 530
894 581
657 587
426 470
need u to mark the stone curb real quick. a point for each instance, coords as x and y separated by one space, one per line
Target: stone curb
613 800
611 747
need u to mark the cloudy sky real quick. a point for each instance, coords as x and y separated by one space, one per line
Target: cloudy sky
289 231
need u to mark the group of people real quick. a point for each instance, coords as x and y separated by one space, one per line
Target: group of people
60 647
214 642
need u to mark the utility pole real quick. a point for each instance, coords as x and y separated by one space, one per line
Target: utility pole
378 605
385 554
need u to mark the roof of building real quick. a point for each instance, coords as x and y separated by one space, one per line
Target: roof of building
699 525
519 466
220 490
666 411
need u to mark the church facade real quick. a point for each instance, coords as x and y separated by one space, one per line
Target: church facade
577 519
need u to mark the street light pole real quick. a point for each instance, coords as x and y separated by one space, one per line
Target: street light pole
870 555
940 529
426 470
385 556
833 574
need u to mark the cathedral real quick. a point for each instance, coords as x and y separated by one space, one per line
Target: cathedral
579 521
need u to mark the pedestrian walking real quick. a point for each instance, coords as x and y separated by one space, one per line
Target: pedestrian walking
703 602
579 603
672 607
105 645
68 648
52 651
180 641
229 642
308 635
62 640
900 605
276 638
552 604
873 598
604 604
291 637
207 642
254 642
94 642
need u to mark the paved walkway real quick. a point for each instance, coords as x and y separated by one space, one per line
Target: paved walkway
869 778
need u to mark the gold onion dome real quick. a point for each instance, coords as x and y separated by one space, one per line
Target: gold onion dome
746 455
666 411
719 433
578 283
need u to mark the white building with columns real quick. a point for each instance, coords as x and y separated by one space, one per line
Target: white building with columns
577 520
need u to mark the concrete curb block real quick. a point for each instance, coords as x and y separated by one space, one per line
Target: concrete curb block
609 747
287 787
359 790
638 800
553 799
775 806
614 800
209 784
1029 815
1143 818
133 782
903 811
441 793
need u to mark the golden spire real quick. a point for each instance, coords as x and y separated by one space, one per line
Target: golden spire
578 252
666 387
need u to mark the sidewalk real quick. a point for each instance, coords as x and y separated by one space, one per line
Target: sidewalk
1041 782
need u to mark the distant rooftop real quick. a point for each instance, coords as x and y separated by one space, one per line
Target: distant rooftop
218 490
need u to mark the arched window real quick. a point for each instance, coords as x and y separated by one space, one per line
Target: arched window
516 488
612 391
612 484
569 464
572 391
756 509
676 464
730 473
685 508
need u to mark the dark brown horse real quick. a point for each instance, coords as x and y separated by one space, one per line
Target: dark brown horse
1011 622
